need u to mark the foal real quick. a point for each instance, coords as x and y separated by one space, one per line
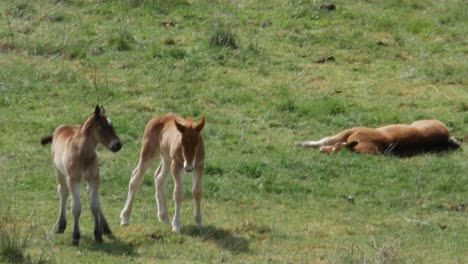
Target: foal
74 157
400 139
179 143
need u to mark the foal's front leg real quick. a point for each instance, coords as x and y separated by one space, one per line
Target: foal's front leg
197 194
177 172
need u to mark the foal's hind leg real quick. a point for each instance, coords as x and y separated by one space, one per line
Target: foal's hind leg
366 148
146 159
74 186
95 204
105 226
327 141
62 189
315 144
160 180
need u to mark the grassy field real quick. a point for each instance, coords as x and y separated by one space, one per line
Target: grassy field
265 74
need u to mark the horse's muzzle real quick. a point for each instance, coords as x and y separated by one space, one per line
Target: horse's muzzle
189 166
116 146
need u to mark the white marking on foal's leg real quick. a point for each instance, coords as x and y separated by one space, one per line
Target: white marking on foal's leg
160 180
313 144
178 196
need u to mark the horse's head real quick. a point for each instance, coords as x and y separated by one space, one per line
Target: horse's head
104 131
190 141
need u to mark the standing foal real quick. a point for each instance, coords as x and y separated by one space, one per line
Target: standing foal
181 146
74 157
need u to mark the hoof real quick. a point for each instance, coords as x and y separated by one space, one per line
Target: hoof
124 221
165 220
176 229
75 242
199 222
106 229
107 232
61 226
298 144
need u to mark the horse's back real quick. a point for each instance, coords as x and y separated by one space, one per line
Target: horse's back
432 128
160 134
421 129
422 136
362 134
64 132
161 124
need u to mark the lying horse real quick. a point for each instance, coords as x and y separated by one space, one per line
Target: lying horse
181 146
401 140
74 157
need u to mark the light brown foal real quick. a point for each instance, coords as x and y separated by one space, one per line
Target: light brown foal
179 143
400 139
74 158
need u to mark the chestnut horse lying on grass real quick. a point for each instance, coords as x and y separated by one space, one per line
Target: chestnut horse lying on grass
401 140
181 146
74 157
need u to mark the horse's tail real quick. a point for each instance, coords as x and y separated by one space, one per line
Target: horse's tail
46 139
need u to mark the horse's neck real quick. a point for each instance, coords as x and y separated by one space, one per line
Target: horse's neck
85 142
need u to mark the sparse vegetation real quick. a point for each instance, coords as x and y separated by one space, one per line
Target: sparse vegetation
224 38
17 237
265 74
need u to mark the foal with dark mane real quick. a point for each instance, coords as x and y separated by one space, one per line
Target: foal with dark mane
400 139
181 146
74 158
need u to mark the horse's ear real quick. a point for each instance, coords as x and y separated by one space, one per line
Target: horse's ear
179 126
97 110
200 125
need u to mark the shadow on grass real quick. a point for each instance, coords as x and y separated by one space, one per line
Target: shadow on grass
113 246
223 238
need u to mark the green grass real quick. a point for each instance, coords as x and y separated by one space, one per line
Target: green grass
250 67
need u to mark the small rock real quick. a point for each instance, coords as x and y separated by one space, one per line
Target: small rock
443 226
167 24
328 6
155 236
326 59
